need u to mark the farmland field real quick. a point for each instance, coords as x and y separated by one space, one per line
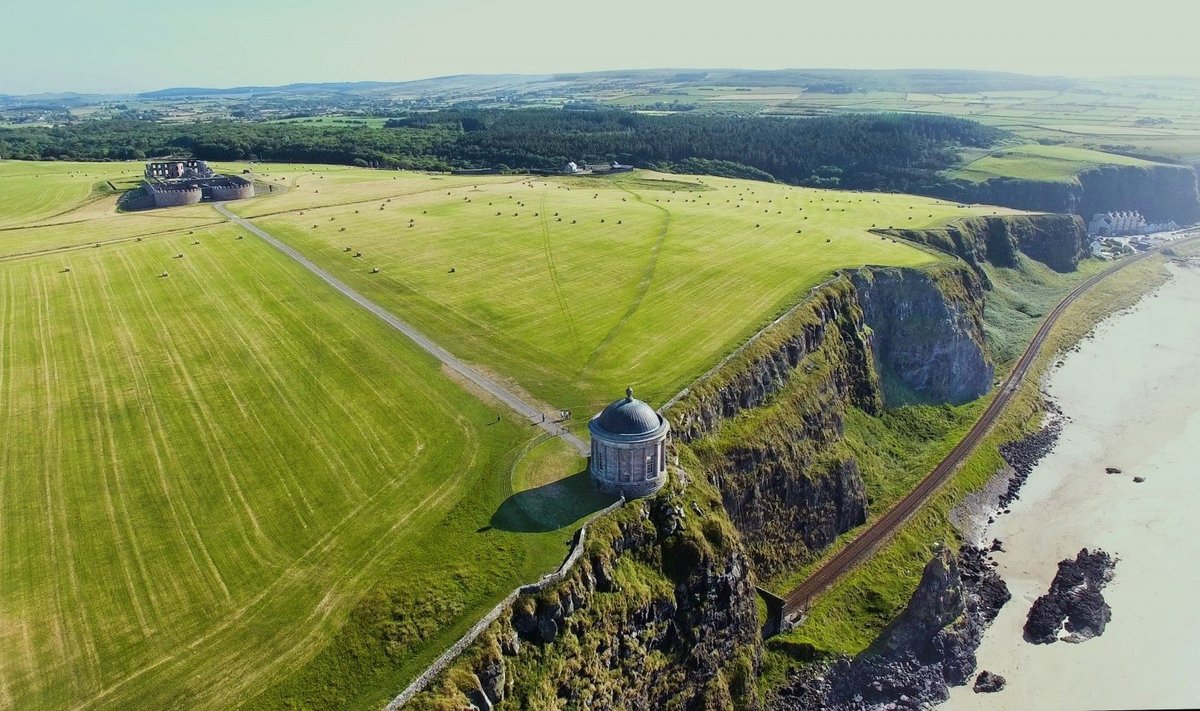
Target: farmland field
574 288
1157 119
206 475
230 486
33 192
1037 162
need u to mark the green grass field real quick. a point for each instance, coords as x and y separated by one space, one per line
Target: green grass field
207 475
1038 162
38 192
1154 118
573 288
230 486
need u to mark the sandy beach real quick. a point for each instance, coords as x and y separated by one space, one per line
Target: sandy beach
1132 399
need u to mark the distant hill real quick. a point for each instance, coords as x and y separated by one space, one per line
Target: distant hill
821 80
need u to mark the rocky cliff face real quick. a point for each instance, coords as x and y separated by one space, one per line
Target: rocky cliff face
661 610
1161 192
1058 241
927 649
926 333
767 427
773 360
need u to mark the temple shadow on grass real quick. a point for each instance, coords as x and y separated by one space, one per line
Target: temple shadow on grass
551 506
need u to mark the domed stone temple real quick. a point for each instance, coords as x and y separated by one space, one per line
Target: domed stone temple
629 448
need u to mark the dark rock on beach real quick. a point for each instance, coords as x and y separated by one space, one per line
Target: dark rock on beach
1024 454
988 683
926 650
1075 599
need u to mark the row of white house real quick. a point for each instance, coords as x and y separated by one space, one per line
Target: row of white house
1117 224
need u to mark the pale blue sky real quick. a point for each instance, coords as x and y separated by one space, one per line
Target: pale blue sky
127 45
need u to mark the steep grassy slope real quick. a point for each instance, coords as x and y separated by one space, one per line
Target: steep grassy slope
232 478
575 287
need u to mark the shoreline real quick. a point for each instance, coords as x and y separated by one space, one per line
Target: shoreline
1129 399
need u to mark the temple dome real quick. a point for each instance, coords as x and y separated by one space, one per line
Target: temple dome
629 416
629 448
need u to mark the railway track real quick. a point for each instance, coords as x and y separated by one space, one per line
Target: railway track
863 546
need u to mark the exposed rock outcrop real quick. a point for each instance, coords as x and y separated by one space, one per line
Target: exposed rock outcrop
989 683
926 335
662 609
1075 599
1023 455
775 414
929 648
1058 241
769 363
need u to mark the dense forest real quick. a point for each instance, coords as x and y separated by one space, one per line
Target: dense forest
881 152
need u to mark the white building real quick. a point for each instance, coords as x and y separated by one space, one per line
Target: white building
1112 224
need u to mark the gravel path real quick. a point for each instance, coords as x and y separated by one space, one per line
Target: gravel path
493 388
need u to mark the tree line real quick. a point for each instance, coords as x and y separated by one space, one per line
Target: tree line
858 151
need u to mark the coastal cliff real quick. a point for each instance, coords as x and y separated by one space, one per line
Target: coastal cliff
1058 241
770 445
926 333
768 428
660 608
927 649
1160 192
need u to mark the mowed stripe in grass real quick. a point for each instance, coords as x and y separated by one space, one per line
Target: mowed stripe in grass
574 288
203 473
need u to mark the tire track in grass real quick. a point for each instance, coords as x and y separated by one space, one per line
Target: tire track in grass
304 646
553 270
289 574
235 313
211 434
378 447
363 201
158 444
61 543
272 665
270 308
437 311
643 284
7 629
101 426
202 425
501 393
91 244
279 336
